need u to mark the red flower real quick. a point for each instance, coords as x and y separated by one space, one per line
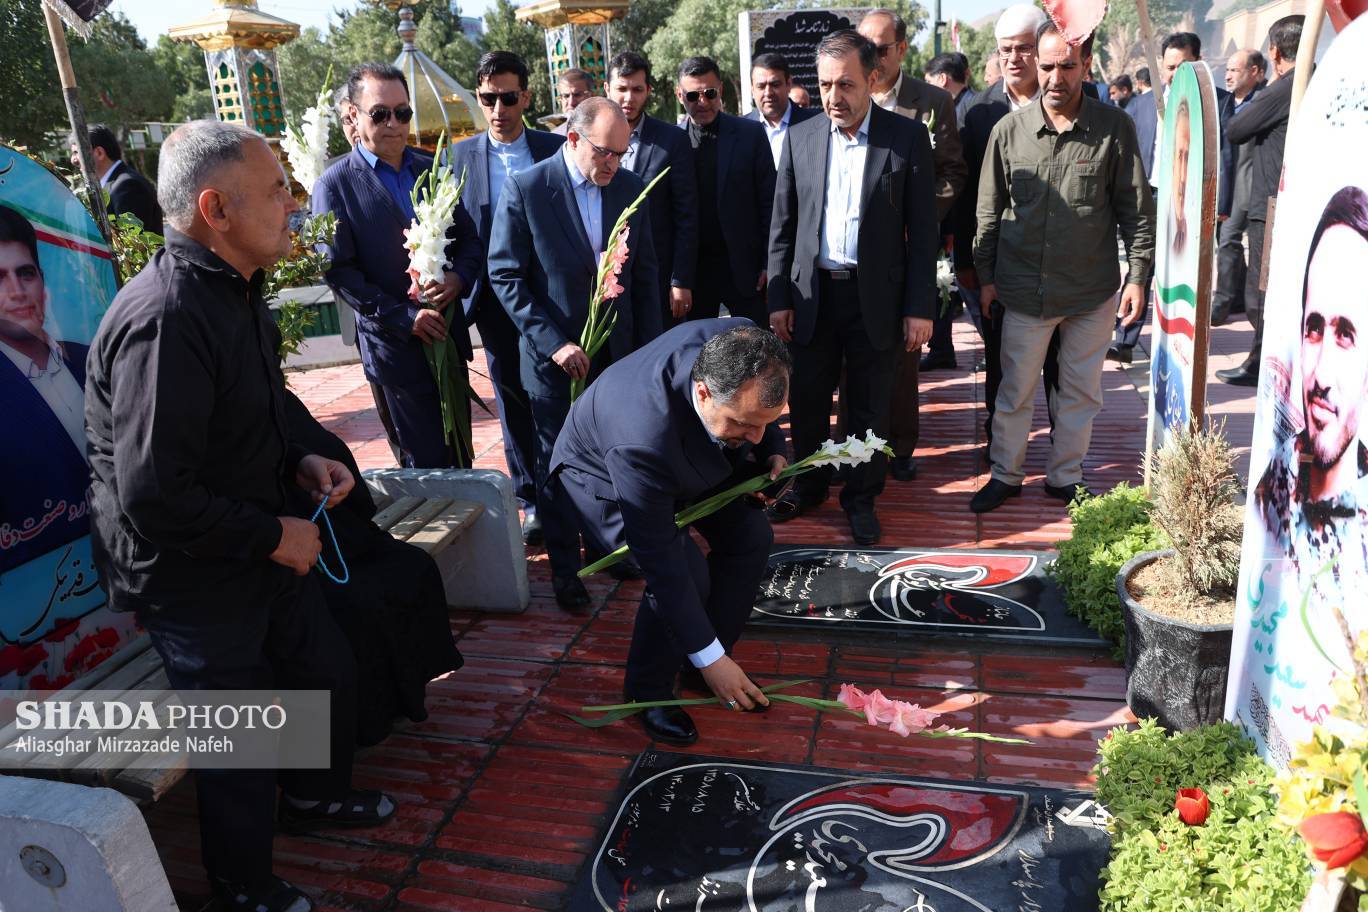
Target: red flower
1336 839
1193 806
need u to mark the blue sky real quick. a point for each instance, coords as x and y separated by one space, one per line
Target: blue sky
154 17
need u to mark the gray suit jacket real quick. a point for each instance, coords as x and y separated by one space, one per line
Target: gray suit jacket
898 235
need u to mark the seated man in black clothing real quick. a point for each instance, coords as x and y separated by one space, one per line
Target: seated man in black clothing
392 608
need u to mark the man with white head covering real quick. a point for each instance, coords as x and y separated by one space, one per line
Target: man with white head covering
1018 87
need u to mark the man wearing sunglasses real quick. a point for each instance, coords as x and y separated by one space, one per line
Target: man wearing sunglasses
370 193
550 228
653 146
488 160
735 179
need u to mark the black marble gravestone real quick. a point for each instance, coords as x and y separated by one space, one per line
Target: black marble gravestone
795 37
699 834
999 594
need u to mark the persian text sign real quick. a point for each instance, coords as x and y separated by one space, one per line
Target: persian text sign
793 35
1305 550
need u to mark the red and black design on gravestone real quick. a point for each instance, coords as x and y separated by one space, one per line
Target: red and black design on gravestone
998 593
709 835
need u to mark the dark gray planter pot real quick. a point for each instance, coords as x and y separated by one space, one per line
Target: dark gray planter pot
1175 671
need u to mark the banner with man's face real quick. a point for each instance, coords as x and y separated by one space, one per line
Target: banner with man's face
1306 522
1184 251
56 280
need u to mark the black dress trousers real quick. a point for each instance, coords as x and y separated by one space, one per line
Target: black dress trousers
282 637
840 338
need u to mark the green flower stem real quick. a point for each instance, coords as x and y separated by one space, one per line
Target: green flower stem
619 711
603 314
710 506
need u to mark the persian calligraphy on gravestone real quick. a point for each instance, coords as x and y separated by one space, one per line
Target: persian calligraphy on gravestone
704 835
794 35
997 593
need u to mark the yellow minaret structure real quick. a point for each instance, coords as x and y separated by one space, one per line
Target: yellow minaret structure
239 43
576 34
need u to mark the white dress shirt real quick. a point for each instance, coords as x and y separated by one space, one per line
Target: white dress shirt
777 132
633 146
506 160
109 176
589 200
889 100
59 389
839 243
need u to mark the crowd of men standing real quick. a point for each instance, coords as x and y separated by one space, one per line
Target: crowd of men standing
821 228
823 223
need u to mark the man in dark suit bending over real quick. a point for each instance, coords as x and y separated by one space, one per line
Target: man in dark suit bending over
688 415
852 267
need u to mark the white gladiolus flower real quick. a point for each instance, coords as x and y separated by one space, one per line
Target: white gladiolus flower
307 148
873 442
831 453
945 276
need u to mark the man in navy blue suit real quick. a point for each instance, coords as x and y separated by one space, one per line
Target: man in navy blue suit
689 415
551 225
735 172
42 401
488 160
770 85
369 192
653 146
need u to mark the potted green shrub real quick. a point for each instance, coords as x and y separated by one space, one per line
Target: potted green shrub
1178 605
1108 530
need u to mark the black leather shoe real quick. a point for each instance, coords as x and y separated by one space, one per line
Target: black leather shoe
864 526
1239 376
902 468
937 362
570 594
993 495
1067 493
1219 317
669 724
981 365
1120 353
532 530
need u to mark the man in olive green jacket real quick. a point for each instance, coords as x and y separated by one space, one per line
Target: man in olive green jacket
1059 178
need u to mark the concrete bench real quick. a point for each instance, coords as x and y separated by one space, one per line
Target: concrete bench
485 569
440 524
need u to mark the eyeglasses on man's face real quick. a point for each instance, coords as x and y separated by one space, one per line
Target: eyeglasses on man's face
381 115
692 97
601 152
883 49
574 95
1008 51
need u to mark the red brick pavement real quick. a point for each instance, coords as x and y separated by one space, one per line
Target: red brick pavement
501 798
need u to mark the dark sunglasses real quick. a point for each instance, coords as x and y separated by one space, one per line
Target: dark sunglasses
692 97
509 99
382 114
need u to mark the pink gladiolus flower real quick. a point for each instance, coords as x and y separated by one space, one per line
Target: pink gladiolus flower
612 289
879 710
620 252
911 719
852 697
414 288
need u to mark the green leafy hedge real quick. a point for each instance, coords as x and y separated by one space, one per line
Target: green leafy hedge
1107 531
1239 860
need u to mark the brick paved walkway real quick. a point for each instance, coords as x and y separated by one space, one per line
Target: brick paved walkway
501 799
